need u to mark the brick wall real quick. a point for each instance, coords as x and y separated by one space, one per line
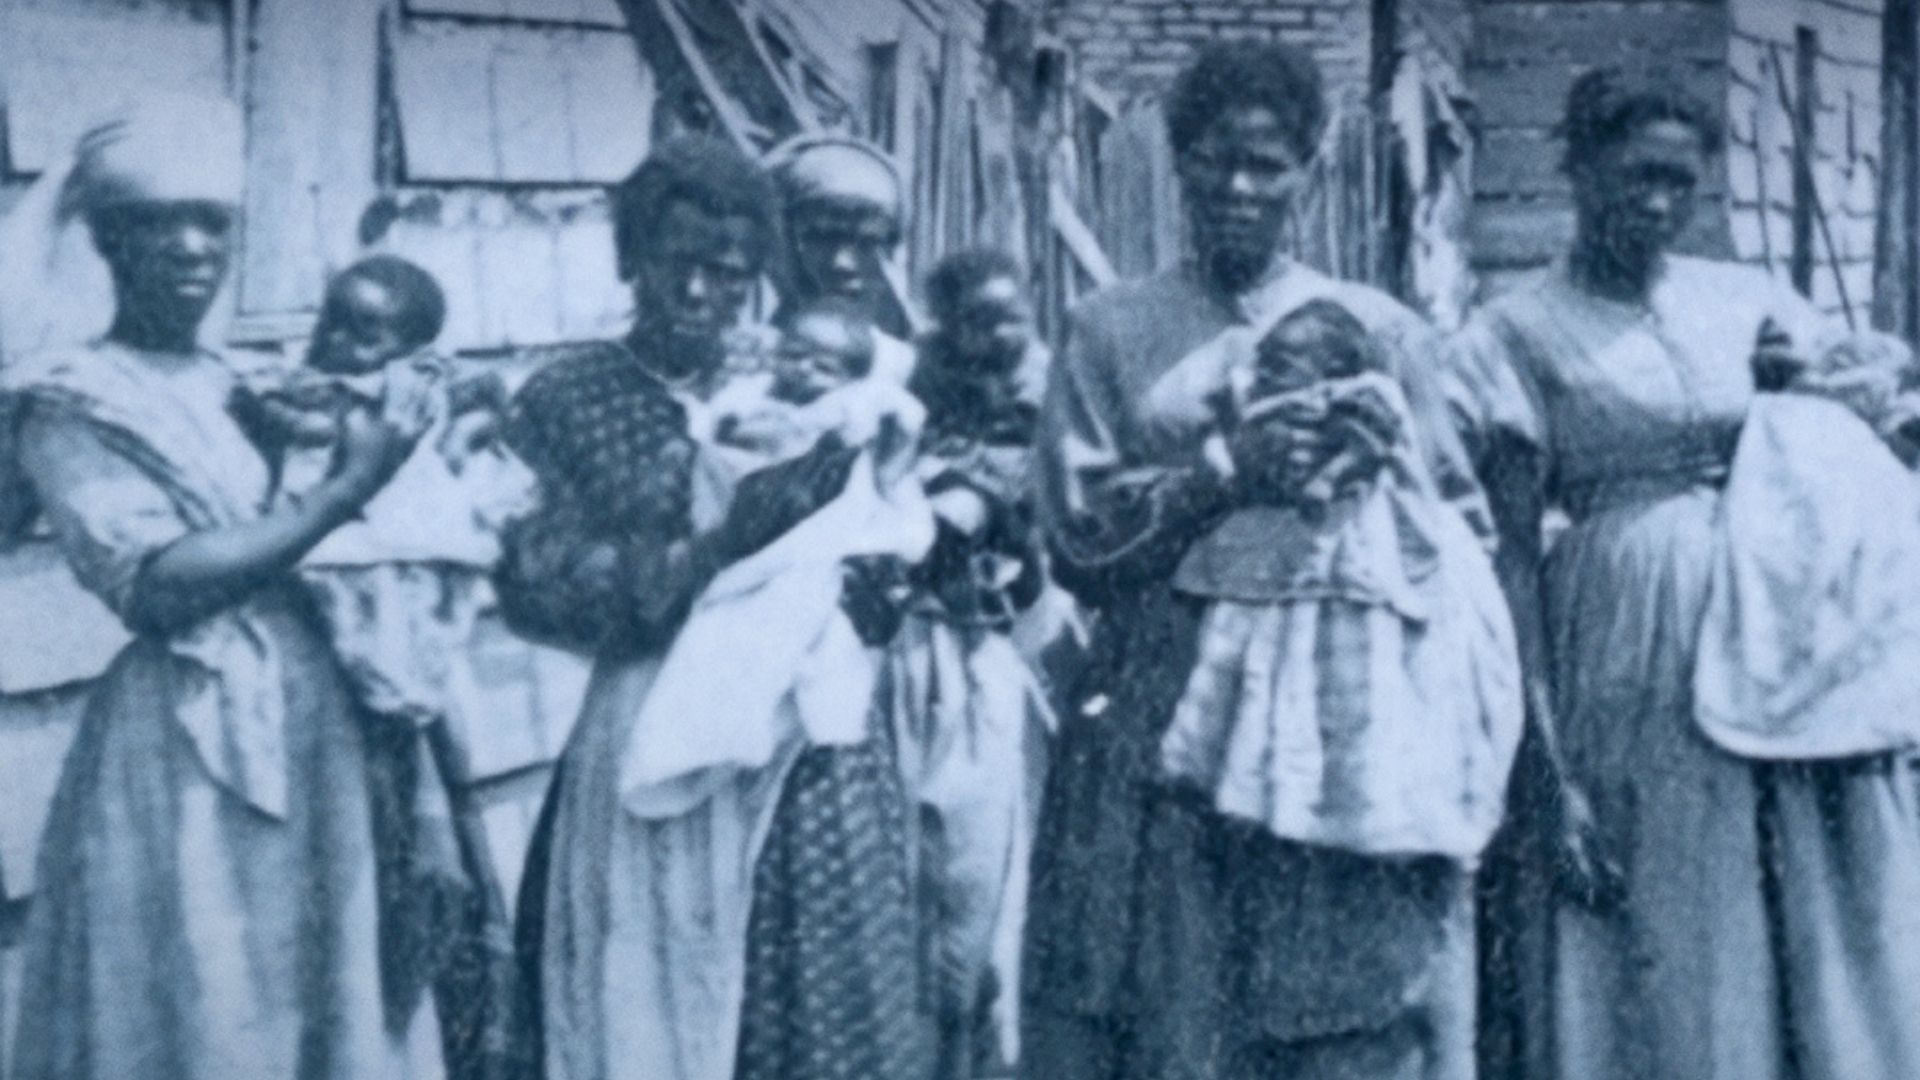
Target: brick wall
1136 46
1524 54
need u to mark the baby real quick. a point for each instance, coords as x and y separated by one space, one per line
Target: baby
1809 645
818 387
403 585
371 347
813 678
1357 683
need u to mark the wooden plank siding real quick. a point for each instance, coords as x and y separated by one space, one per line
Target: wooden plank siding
312 106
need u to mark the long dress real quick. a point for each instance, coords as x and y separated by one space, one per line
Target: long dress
1771 923
209 903
640 968
1165 940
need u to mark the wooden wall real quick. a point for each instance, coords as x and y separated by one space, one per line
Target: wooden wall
1845 140
1526 52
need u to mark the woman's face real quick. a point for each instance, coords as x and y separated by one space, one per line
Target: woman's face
840 247
992 325
1239 180
168 260
1637 196
693 278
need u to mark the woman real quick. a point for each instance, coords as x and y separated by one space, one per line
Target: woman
1764 918
1165 940
844 206
761 927
215 894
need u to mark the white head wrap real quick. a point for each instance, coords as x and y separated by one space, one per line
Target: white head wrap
833 166
55 291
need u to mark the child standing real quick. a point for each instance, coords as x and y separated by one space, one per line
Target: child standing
970 714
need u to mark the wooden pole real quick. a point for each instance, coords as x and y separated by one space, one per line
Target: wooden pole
1896 263
1803 151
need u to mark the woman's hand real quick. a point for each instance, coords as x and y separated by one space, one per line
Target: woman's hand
1583 870
769 502
369 450
1776 363
1271 455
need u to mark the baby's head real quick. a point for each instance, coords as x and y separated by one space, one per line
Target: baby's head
1317 341
378 310
825 343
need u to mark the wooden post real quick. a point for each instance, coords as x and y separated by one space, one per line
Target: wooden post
1896 263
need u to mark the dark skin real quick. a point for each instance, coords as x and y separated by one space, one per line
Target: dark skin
839 247
990 326
1239 180
168 261
690 284
1633 199
362 328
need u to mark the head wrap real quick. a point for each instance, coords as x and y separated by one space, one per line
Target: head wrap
838 167
55 291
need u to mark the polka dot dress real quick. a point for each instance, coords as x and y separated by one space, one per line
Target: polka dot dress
834 986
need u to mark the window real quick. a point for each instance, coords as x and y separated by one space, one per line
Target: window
515 100
600 13
65 64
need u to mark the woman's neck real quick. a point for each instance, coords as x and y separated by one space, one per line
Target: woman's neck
1602 270
670 361
147 335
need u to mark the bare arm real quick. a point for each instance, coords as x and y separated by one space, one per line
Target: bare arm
205 571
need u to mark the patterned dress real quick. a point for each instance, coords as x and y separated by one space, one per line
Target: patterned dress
213 901
1771 923
1164 939
610 923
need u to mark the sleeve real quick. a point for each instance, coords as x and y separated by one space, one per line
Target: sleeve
1496 412
1419 366
1114 523
1484 391
588 564
557 582
108 516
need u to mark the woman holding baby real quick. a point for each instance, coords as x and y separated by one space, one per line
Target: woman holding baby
210 901
719 888
1255 850
1730 692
